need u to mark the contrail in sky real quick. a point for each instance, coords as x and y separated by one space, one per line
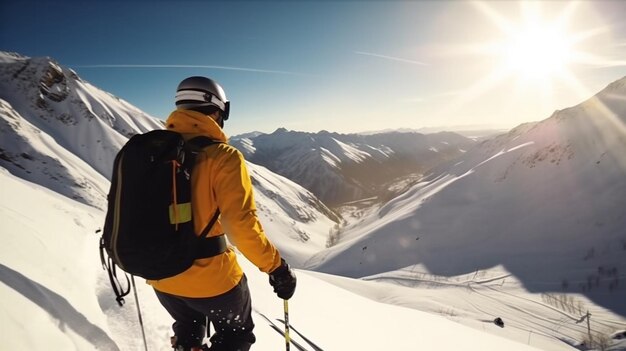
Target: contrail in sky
391 58
230 68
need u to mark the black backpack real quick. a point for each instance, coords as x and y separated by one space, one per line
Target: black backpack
149 229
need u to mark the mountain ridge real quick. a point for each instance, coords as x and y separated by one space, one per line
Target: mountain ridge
340 168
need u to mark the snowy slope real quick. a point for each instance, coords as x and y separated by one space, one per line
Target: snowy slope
544 204
36 156
60 131
49 256
293 218
56 297
85 120
346 167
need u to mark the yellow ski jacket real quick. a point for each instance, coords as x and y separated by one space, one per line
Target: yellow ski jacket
219 179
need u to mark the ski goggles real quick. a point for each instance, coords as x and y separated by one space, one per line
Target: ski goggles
203 98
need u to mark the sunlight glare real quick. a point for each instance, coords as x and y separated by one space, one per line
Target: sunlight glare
541 50
537 53
537 49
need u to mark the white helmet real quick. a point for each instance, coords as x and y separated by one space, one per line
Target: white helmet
196 92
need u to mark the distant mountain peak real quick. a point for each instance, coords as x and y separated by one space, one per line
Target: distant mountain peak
347 167
6 56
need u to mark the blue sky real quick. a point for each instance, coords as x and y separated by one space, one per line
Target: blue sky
344 66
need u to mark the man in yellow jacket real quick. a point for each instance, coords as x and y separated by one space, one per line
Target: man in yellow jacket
216 287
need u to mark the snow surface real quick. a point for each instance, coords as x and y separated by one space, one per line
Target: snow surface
56 297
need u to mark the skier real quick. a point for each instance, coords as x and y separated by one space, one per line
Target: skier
215 288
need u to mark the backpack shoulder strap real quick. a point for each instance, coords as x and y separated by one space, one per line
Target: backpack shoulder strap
208 227
197 144
200 142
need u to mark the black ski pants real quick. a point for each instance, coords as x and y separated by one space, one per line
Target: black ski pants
230 314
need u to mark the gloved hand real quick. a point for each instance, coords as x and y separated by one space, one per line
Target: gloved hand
283 280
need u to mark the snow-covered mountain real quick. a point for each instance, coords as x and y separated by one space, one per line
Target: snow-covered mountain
60 131
345 167
544 202
63 133
476 132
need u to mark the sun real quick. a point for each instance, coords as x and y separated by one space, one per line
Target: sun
533 48
537 52
524 62
526 58
539 49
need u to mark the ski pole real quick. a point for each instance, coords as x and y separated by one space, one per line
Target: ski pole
287 338
143 332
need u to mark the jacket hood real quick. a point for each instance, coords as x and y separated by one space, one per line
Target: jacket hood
195 124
